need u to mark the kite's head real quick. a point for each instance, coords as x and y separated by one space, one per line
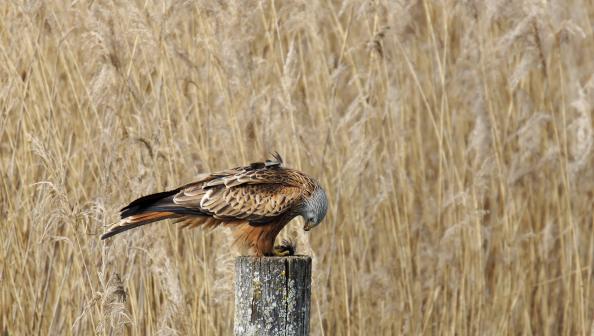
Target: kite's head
315 209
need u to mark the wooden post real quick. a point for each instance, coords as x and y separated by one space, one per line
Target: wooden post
272 295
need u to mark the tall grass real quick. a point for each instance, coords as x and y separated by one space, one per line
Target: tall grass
454 139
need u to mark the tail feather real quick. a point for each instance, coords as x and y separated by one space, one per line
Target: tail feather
149 209
135 221
143 203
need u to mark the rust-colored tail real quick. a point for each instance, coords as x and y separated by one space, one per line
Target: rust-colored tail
134 221
149 209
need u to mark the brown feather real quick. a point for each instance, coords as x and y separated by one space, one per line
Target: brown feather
259 238
257 200
149 216
136 221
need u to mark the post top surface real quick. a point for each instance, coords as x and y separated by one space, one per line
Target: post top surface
294 258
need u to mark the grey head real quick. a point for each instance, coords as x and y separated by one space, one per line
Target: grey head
314 208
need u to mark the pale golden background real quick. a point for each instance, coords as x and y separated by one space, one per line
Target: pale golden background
454 139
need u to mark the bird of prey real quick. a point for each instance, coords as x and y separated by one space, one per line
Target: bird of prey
257 201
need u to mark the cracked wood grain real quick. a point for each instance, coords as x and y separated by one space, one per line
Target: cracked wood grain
272 295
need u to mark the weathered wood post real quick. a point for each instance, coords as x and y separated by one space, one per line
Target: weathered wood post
272 295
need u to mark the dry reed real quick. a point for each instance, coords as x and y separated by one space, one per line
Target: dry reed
454 138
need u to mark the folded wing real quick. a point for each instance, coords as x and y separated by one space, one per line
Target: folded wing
253 194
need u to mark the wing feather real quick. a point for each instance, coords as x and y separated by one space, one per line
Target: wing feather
248 194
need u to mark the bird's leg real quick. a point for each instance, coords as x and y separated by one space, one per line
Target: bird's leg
287 248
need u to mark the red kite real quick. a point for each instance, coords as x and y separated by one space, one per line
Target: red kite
256 200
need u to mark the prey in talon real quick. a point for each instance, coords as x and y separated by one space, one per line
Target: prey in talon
286 249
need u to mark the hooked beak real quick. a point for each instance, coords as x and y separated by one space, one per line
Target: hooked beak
308 226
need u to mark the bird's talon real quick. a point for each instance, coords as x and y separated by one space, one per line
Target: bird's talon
284 250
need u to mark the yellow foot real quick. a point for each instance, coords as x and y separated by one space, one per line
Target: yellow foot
286 249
